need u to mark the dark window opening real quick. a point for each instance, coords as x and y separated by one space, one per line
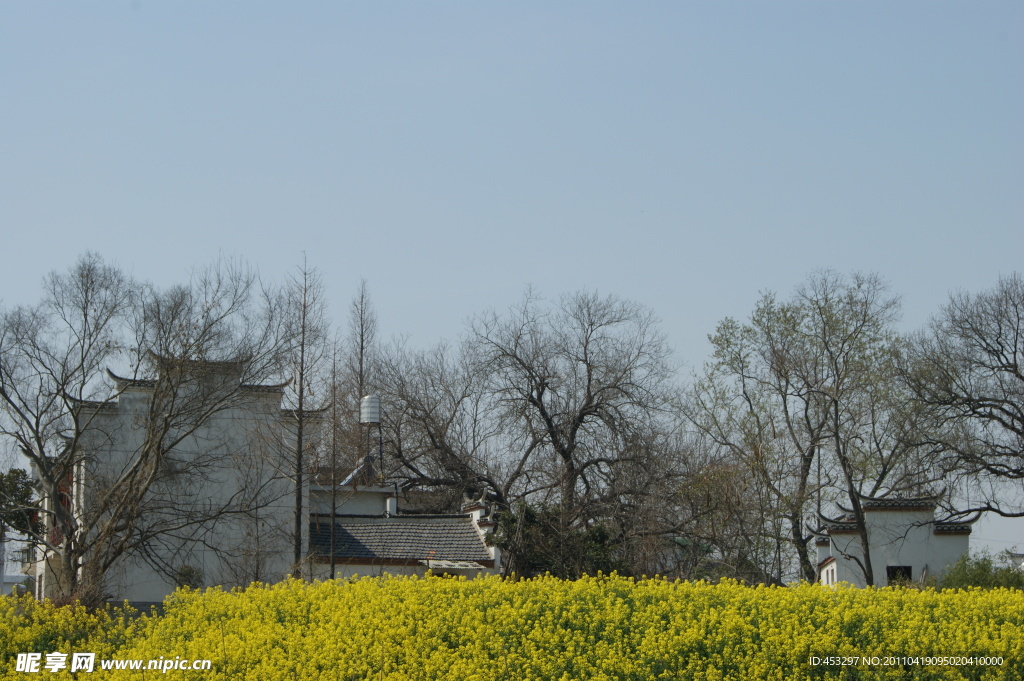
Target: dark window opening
898 574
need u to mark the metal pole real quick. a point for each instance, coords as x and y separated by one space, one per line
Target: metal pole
334 455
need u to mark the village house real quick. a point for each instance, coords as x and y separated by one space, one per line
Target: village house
372 535
236 468
906 543
221 508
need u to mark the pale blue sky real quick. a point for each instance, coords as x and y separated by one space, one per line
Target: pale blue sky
685 155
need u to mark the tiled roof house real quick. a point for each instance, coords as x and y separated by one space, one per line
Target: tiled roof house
907 543
372 536
241 448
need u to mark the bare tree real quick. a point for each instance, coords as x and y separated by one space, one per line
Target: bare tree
51 356
362 342
359 377
116 487
574 382
309 389
967 372
699 515
442 432
353 372
550 412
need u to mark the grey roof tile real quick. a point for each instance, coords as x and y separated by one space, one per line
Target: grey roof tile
411 538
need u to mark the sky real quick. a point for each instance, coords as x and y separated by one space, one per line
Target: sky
684 155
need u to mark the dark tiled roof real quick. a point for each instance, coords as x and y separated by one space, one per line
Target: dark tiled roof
398 538
953 528
121 382
843 528
895 504
259 388
106 405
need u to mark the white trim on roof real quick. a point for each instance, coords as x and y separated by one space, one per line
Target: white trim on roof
453 564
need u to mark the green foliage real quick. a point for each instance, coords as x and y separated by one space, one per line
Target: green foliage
540 540
984 571
190 576
18 509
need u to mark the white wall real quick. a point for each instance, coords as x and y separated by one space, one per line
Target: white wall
902 537
240 450
351 500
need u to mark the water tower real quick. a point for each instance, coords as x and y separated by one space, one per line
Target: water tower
369 416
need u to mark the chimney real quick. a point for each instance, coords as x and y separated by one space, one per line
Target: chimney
476 510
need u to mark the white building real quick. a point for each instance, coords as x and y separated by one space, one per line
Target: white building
236 469
232 469
906 544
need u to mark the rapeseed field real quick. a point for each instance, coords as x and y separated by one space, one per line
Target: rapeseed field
599 628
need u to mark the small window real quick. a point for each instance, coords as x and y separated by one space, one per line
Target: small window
898 574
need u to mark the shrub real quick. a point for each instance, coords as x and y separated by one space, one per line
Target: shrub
984 571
